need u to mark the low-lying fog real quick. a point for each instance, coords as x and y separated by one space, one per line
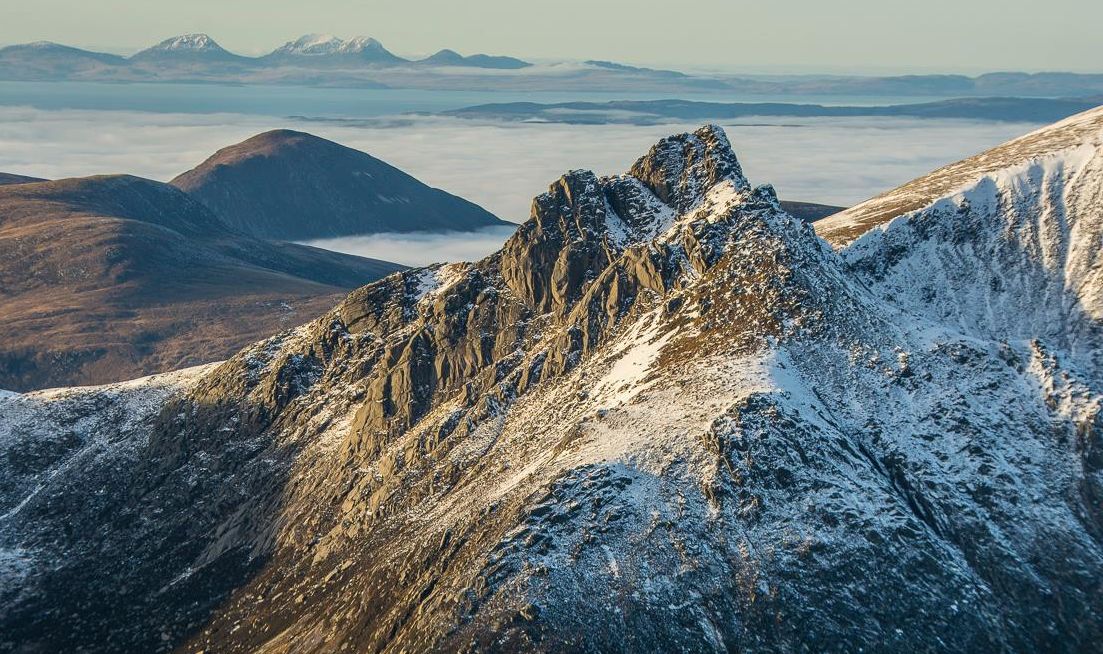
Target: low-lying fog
420 248
500 166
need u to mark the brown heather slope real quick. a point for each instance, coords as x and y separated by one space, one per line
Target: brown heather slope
291 185
113 277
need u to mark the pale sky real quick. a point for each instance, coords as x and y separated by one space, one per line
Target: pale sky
859 36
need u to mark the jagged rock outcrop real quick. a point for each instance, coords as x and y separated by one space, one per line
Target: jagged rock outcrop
680 169
666 416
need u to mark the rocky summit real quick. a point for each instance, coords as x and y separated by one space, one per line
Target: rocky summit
666 416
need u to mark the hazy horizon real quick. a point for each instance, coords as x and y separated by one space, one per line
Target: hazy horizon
866 38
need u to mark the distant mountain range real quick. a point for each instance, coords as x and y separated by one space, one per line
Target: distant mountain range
324 60
199 53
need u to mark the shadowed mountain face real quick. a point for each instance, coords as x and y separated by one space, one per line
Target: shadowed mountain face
809 212
666 416
45 60
109 278
10 178
294 186
452 58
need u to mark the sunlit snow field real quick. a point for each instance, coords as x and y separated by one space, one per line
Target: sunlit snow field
498 165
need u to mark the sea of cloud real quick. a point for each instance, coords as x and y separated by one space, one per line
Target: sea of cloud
499 165
421 248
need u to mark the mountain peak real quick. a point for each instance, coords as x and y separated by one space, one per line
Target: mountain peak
186 47
327 45
445 56
273 139
680 169
291 185
361 43
449 57
688 186
188 42
312 44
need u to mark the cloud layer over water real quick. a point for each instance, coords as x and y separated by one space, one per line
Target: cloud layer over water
500 166
421 249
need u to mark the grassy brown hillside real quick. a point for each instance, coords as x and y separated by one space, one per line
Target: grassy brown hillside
113 277
295 186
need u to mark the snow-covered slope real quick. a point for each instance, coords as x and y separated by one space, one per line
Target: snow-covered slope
1005 245
1070 140
666 416
99 421
189 42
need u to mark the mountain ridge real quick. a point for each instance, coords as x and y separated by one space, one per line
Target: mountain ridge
447 57
11 178
856 221
666 415
321 46
381 68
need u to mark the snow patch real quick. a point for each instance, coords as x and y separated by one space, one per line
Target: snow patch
627 377
188 42
435 280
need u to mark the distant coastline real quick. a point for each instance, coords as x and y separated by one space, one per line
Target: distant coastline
653 112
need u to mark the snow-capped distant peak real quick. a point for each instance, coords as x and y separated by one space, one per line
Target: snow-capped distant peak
313 44
316 45
360 44
188 42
